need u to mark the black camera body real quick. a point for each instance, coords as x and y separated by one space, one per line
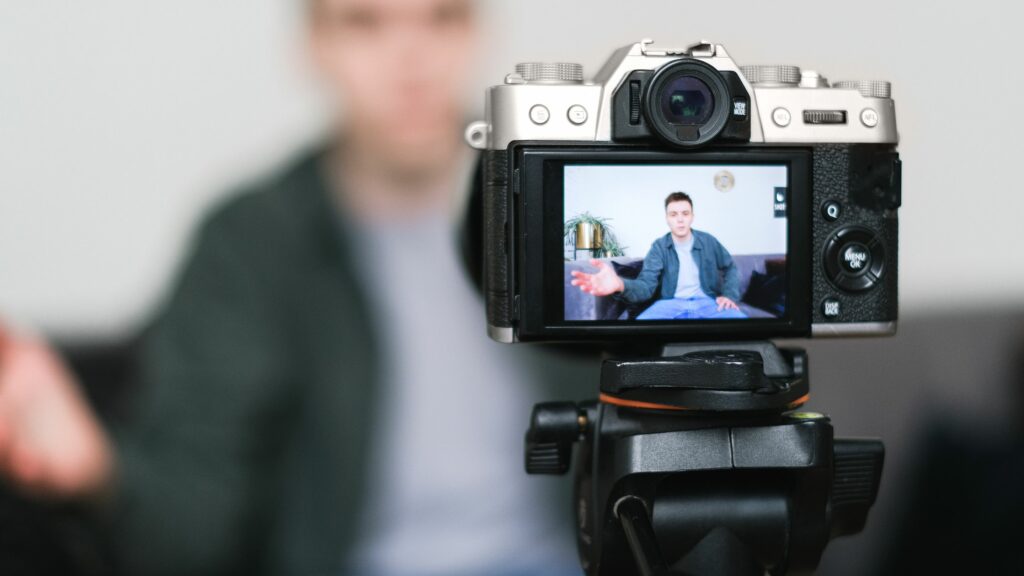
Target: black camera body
792 187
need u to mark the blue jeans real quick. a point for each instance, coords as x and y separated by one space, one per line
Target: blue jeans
687 309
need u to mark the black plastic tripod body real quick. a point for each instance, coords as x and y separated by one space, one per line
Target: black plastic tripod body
694 463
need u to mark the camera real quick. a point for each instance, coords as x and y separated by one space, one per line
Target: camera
679 197
687 210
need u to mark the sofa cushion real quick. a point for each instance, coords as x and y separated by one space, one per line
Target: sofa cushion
768 292
628 269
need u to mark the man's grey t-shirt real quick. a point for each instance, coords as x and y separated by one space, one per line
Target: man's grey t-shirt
688 285
448 491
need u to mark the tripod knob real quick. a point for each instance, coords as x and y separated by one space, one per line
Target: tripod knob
554 427
857 474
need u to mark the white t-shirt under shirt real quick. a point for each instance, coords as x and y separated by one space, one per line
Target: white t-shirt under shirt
688 284
448 492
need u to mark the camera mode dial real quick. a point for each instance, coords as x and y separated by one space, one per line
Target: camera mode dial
550 72
772 74
867 88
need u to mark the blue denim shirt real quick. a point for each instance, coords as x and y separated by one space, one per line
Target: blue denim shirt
718 273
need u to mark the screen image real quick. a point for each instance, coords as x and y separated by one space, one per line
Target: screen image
675 243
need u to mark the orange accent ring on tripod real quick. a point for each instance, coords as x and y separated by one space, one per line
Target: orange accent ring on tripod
615 400
799 401
609 399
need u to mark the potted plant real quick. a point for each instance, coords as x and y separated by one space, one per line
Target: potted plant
588 232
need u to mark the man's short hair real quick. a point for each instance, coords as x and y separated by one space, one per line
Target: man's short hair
678 197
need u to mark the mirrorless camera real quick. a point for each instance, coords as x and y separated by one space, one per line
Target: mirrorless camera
786 227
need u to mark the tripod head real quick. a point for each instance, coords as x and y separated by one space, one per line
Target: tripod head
696 462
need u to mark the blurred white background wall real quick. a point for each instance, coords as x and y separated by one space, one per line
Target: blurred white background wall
121 120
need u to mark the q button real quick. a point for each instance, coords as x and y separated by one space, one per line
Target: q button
832 210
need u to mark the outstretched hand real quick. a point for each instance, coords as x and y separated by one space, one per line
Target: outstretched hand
51 442
602 283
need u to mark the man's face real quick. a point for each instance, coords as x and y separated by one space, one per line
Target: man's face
398 69
679 215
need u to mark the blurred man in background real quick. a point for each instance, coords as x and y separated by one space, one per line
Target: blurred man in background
318 396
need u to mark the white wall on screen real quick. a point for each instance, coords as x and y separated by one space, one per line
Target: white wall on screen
633 199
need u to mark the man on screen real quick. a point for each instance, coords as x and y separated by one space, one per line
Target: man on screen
694 273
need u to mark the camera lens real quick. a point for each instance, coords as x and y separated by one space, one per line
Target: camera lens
687 101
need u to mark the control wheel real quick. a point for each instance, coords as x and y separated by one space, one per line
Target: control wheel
855 259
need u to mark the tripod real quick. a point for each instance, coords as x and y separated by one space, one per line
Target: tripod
694 462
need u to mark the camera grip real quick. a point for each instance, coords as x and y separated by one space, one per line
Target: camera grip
496 260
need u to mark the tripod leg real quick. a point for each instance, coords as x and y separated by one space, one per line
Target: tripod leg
636 524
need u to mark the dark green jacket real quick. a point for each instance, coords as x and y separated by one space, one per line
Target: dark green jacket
248 451
718 273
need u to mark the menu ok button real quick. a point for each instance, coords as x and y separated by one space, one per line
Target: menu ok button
854 259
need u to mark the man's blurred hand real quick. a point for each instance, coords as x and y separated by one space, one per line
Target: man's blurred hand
51 442
602 283
725 303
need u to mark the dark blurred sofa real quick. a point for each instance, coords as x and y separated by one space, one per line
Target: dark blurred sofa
762 288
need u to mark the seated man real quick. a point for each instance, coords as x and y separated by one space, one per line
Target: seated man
695 273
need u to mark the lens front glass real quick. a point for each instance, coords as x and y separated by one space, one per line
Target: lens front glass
687 101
